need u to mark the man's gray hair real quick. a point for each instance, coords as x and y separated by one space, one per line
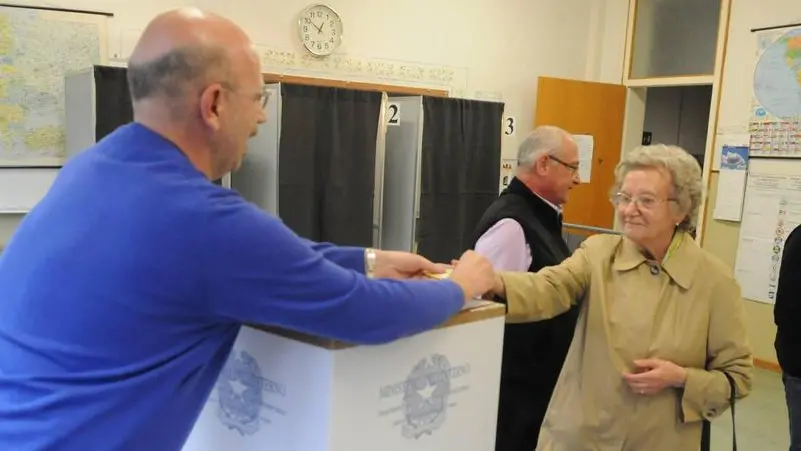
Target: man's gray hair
543 140
172 74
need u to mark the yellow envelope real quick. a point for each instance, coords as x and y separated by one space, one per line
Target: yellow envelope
444 275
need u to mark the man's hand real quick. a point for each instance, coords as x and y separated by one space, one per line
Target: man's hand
654 375
474 274
403 265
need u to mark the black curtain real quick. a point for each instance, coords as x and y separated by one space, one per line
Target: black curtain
326 163
113 100
460 168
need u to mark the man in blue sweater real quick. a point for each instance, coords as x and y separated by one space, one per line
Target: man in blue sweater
122 292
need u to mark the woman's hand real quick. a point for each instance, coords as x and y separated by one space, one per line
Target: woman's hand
498 288
654 375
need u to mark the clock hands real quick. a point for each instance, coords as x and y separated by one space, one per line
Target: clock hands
328 30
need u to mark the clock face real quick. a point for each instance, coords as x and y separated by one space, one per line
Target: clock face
320 30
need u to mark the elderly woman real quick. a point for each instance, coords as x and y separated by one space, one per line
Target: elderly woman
661 320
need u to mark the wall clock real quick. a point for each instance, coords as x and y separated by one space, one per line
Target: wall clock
320 30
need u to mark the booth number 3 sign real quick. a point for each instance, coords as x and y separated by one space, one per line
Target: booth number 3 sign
509 125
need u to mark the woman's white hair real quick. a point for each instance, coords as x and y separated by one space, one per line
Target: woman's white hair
684 170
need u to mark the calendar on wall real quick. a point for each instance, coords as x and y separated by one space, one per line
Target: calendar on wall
775 139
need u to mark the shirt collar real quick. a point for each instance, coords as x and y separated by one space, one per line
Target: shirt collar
553 205
680 262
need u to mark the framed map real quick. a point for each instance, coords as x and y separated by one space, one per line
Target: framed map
37 49
775 125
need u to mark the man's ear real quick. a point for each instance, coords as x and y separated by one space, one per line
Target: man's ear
541 164
211 106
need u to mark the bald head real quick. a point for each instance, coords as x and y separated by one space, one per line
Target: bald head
196 80
543 140
182 50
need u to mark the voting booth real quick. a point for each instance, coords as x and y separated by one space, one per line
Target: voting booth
97 101
286 391
317 163
443 157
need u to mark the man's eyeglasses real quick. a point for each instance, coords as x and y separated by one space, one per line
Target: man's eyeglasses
573 167
265 96
262 97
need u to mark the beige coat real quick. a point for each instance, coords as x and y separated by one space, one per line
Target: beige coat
690 313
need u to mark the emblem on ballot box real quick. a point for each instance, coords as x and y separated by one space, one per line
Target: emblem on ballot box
241 393
426 395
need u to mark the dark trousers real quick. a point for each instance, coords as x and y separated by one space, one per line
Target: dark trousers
520 415
792 393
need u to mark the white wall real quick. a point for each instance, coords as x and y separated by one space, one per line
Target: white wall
607 41
486 49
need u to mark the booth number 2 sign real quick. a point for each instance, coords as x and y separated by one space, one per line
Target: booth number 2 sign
393 114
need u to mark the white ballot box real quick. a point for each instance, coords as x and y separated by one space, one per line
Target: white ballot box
284 391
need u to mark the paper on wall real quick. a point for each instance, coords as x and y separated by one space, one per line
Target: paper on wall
731 183
586 146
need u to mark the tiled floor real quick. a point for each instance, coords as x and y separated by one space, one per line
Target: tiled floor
761 418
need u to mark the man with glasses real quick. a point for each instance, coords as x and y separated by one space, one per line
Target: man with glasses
522 231
124 289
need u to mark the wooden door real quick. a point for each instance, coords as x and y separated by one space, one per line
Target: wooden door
587 108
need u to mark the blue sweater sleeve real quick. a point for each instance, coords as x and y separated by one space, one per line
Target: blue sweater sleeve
347 257
259 271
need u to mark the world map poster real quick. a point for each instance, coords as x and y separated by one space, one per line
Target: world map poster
37 49
775 125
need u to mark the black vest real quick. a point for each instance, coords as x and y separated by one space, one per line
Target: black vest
533 353
541 224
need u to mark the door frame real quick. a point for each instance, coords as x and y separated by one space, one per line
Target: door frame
633 125
634 117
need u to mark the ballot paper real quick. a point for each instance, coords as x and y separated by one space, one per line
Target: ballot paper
441 276
470 304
